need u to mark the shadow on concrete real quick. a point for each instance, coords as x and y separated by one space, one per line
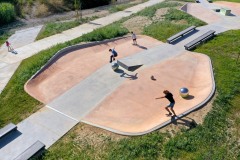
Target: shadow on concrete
128 11
142 47
8 138
126 75
184 37
186 121
94 23
231 15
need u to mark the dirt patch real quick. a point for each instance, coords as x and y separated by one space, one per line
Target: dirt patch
181 22
136 24
159 15
94 136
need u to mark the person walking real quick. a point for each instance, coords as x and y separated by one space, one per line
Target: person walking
113 55
169 107
134 38
10 49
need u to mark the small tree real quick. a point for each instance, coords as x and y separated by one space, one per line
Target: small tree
78 9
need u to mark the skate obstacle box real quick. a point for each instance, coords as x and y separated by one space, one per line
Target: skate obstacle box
225 11
7 129
34 151
129 64
199 40
181 34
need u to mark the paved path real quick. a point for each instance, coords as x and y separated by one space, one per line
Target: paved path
48 125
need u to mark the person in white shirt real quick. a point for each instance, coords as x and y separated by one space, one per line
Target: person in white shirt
134 38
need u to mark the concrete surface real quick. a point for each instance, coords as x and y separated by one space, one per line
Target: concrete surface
132 108
46 125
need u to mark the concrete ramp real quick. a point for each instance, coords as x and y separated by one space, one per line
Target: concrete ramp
204 14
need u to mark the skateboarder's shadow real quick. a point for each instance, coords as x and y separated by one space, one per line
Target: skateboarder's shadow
126 75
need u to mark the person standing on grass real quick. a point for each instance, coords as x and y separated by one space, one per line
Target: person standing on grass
169 96
134 38
114 54
10 49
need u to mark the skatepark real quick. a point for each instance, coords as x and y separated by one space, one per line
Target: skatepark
78 84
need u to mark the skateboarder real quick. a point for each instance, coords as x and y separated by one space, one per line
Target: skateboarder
10 49
169 107
134 38
114 54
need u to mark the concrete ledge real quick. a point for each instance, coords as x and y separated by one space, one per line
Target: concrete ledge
33 151
7 129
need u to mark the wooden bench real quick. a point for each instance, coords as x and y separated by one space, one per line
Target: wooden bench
7 129
200 39
181 34
33 151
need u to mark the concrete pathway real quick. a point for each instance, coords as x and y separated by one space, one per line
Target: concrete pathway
48 124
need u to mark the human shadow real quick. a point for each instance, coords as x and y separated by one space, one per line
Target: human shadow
126 75
184 37
9 138
186 121
142 47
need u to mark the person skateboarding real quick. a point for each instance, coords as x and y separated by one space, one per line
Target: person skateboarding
169 107
113 55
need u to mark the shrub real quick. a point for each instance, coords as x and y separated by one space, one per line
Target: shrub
7 13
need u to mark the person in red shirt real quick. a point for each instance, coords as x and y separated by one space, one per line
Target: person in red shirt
169 107
10 49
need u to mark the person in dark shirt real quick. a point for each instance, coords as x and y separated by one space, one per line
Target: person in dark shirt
114 54
169 96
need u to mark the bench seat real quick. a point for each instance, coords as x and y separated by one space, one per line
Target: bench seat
200 39
7 129
181 34
33 151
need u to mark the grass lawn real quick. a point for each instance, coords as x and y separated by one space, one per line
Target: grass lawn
57 27
4 36
170 26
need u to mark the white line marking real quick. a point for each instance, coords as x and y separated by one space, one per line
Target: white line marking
62 113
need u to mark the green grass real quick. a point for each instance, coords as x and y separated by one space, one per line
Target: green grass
150 11
58 27
16 104
165 29
4 36
121 7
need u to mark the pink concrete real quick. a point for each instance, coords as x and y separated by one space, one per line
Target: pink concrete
76 66
132 108
202 13
235 7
